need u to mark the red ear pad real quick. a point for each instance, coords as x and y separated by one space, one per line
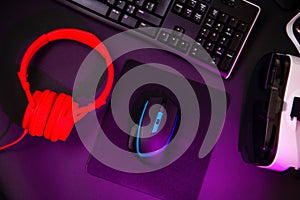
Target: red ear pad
61 121
41 113
54 115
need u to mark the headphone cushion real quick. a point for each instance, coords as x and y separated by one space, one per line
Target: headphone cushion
61 122
54 115
41 113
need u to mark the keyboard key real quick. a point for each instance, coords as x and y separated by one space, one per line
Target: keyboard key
150 6
187 12
183 46
216 60
229 31
111 2
219 27
236 41
223 18
129 21
161 7
130 9
139 2
121 4
209 47
96 6
192 3
219 51
242 27
233 22
182 1
148 17
163 37
173 41
114 14
214 13
177 8
230 3
226 62
214 37
204 32
197 18
224 41
200 40
199 53
209 22
202 8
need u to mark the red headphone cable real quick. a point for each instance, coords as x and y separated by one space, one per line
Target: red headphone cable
14 142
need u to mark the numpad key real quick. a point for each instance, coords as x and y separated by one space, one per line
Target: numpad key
220 27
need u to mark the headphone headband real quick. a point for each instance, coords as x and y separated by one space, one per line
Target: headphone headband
78 36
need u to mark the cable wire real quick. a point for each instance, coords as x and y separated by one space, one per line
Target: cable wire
14 142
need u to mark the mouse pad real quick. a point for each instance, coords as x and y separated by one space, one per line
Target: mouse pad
181 179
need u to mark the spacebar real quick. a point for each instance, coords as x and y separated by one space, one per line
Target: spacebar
94 5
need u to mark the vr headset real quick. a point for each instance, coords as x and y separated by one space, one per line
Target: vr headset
270 125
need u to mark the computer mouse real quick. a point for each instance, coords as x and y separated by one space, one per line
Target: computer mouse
157 125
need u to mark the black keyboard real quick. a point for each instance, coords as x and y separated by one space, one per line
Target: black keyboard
221 27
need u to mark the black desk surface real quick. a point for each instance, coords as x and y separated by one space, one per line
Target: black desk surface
38 169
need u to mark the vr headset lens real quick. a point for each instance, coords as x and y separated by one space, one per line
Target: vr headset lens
259 131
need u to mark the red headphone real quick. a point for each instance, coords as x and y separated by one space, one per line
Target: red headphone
53 115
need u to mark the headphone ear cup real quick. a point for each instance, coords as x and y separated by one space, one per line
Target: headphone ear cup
41 113
54 116
61 122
